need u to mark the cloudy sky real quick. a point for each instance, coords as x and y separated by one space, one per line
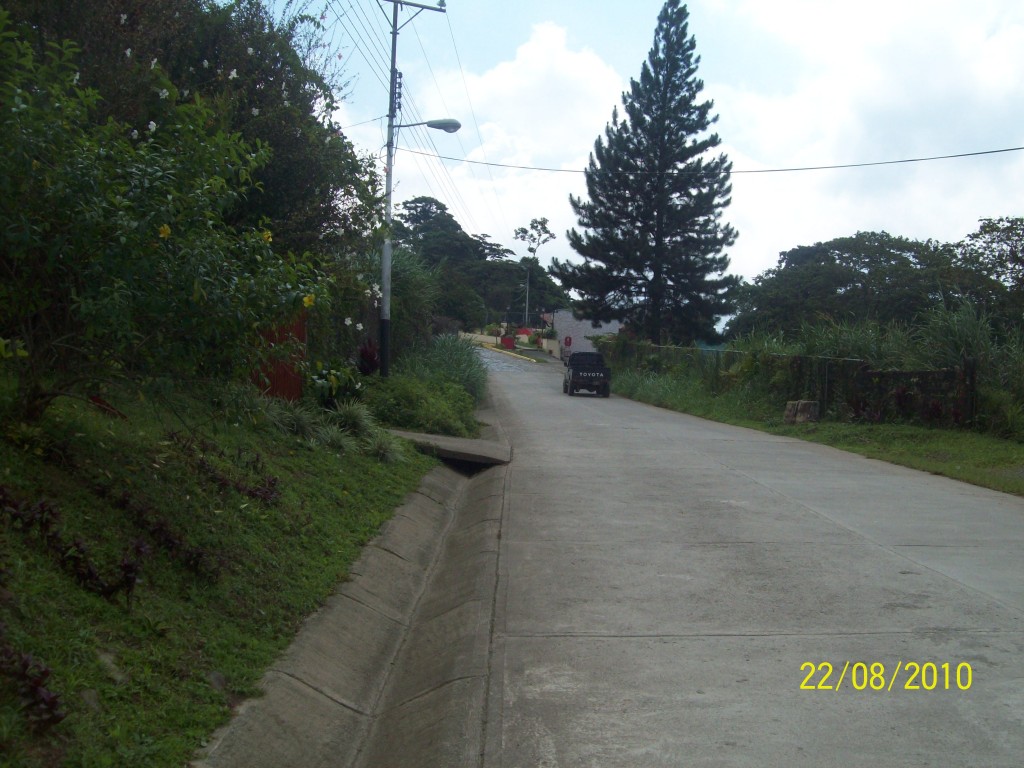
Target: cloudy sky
795 83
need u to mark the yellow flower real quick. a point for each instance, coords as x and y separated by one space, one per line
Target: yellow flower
165 231
267 237
308 301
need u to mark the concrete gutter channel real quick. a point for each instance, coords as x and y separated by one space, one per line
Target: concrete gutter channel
392 671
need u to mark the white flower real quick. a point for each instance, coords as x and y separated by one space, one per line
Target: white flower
151 126
152 64
233 75
184 94
128 53
376 288
348 321
134 134
164 93
359 385
249 51
359 326
206 64
287 103
124 19
255 112
74 81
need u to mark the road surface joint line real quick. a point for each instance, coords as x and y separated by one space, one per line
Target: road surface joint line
320 691
697 635
886 546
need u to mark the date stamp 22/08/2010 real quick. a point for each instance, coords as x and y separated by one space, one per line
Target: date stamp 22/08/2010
875 676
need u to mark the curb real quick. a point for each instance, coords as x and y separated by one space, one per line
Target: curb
508 352
392 671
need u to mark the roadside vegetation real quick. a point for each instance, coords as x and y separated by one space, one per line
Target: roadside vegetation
157 557
982 459
182 229
749 381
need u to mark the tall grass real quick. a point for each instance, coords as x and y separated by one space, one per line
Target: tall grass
944 337
761 370
744 403
448 358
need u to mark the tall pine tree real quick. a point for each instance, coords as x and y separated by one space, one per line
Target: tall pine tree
653 234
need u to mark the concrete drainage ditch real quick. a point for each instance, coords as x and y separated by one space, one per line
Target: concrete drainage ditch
392 671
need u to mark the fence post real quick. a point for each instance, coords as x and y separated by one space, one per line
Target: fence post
971 384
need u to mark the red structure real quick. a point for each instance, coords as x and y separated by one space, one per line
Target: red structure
282 378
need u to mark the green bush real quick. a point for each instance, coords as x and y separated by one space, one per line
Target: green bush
421 405
115 252
447 358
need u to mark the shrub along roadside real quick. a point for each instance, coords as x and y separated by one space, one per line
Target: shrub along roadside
239 530
435 388
117 256
451 358
421 405
980 459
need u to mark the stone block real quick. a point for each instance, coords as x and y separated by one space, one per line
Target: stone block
801 411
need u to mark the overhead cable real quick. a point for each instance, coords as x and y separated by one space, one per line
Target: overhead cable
748 171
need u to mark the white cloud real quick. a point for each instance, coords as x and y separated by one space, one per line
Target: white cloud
543 108
795 83
878 81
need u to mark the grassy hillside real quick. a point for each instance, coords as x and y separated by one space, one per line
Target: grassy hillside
155 558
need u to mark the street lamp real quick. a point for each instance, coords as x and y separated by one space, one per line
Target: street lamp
448 125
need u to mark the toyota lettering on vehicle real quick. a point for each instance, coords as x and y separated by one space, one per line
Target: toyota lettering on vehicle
587 371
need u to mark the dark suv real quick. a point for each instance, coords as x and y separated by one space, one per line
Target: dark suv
586 370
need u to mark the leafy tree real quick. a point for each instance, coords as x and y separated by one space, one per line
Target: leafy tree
652 236
114 256
264 79
996 254
997 248
316 192
478 281
492 251
535 236
425 224
870 276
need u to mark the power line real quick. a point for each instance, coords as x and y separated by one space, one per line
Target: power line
365 122
366 32
476 124
759 170
359 42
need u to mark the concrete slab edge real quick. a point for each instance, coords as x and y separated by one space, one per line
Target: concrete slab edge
321 695
433 710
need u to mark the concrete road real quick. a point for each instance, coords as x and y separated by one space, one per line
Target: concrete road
674 592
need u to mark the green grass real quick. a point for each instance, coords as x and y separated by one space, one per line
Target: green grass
980 459
146 686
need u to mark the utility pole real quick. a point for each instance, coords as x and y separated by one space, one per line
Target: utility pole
385 262
526 305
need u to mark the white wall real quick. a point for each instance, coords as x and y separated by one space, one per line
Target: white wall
566 325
